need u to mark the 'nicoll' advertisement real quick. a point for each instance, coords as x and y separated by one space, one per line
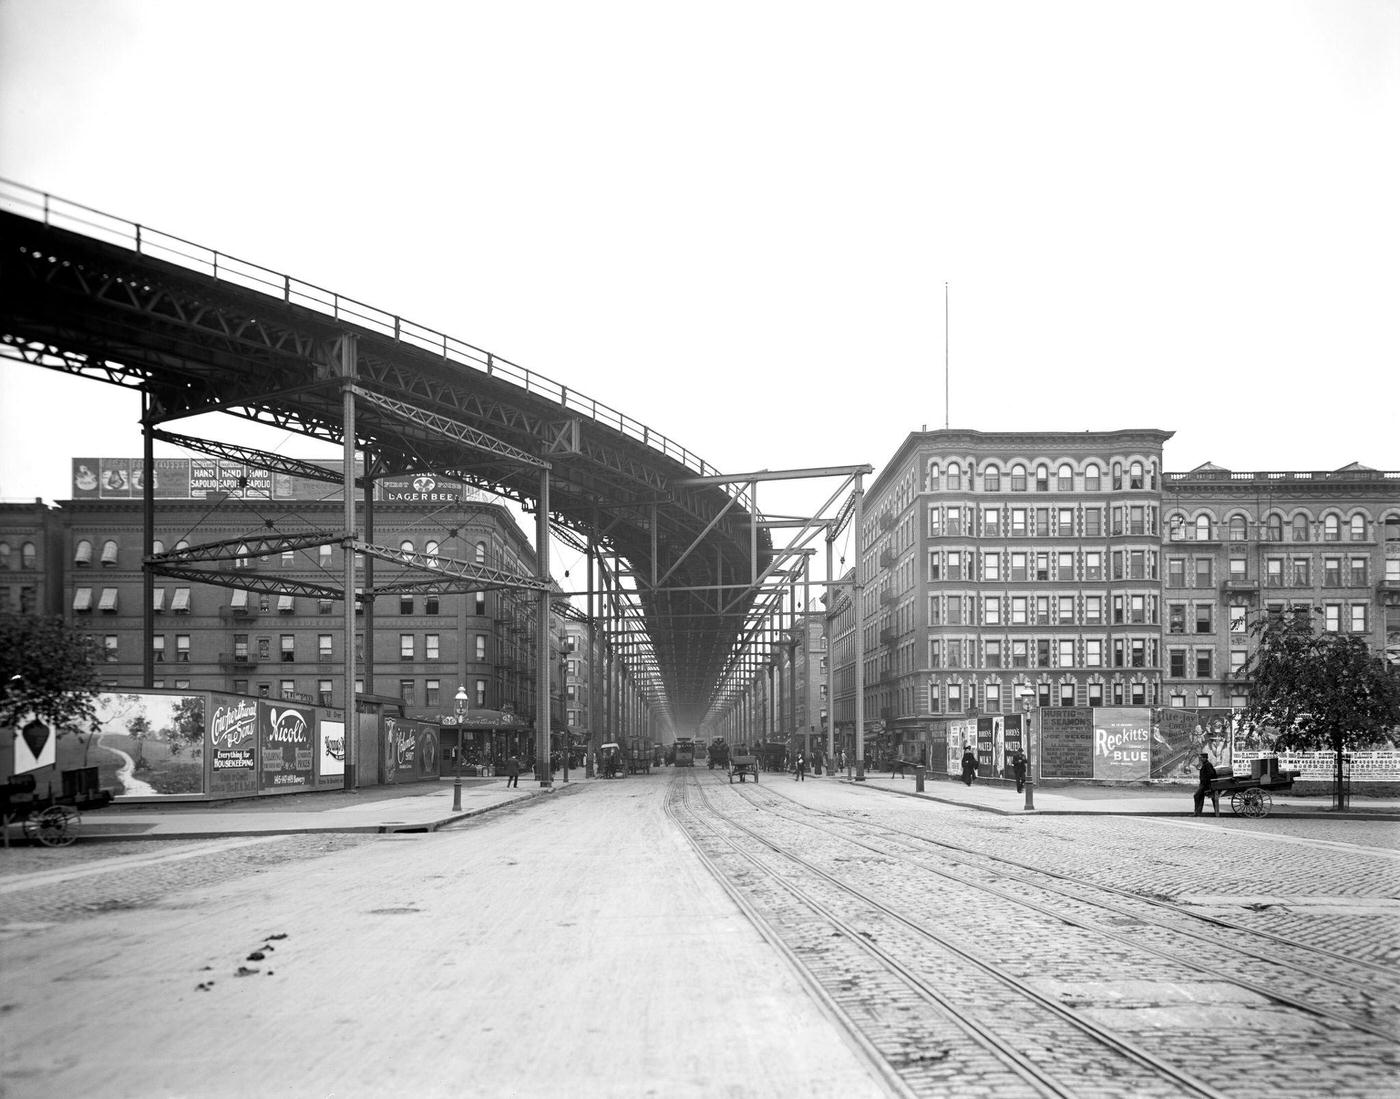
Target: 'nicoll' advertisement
286 741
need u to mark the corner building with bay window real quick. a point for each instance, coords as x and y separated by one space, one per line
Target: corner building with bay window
1011 570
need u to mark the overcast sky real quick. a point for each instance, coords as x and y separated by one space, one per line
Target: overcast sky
735 221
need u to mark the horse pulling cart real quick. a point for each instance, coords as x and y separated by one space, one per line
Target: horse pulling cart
1250 796
52 820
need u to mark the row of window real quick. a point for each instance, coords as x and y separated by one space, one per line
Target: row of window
241 601
993 697
432 690
1301 528
1021 478
244 556
28 555
997 566
1064 652
1041 610
1067 522
248 650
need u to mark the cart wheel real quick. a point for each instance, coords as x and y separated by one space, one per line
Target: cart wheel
1237 803
56 826
1257 802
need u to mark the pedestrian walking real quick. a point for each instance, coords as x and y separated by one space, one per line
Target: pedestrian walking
513 772
1203 790
800 769
969 766
1018 768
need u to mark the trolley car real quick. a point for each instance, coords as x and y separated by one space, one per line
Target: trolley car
685 751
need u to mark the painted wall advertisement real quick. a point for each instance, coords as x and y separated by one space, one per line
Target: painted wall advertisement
285 743
1066 742
199 478
410 750
961 734
330 740
1179 736
233 740
1122 742
148 744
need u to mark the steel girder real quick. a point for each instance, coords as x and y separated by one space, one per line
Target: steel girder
196 342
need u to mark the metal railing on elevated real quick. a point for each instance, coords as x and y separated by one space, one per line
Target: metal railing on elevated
26 201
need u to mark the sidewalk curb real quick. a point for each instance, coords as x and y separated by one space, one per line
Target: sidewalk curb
1379 816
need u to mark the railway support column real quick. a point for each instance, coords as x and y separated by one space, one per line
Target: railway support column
347 373
542 719
857 599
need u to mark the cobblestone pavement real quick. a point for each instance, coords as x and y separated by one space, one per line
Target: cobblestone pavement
536 932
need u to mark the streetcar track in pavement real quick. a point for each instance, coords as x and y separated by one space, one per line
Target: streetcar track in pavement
1118 1067
1323 966
40 879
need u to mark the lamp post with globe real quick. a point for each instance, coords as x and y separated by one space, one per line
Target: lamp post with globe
461 700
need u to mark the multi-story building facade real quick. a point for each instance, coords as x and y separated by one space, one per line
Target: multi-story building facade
83 559
1004 571
1239 543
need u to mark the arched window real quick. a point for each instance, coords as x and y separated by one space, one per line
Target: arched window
991 479
933 474
26 555
406 548
1152 476
157 546
1042 478
1203 528
954 476
1135 475
1117 475
481 553
1301 527
1392 528
182 545
431 550
1358 528
1066 477
1176 527
4 555
109 552
1331 529
1018 478
1273 530
1091 477
1239 529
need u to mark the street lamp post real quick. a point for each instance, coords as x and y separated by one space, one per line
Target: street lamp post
461 700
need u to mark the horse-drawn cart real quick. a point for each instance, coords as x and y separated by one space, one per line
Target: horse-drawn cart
743 766
1250 796
53 820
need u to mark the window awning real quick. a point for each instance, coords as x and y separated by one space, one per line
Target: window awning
239 601
181 603
109 553
82 599
157 599
108 602
82 555
284 604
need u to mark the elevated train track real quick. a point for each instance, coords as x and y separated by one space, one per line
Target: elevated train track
198 331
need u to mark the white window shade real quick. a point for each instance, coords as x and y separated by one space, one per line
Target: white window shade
239 600
181 603
109 600
82 599
157 599
285 604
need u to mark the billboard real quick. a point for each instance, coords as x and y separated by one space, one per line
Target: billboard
147 744
1066 742
1179 736
233 741
410 750
286 744
95 478
1122 742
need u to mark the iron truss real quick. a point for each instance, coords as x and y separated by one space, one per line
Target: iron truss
262 347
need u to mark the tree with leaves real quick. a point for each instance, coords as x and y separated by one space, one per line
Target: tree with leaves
1319 691
47 669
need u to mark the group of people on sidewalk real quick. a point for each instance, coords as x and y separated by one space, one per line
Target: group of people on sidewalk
1018 767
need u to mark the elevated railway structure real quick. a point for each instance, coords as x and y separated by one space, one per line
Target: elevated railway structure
686 561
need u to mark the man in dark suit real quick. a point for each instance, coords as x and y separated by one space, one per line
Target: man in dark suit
1203 790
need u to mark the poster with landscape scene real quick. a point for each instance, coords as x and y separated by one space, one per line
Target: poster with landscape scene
148 744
